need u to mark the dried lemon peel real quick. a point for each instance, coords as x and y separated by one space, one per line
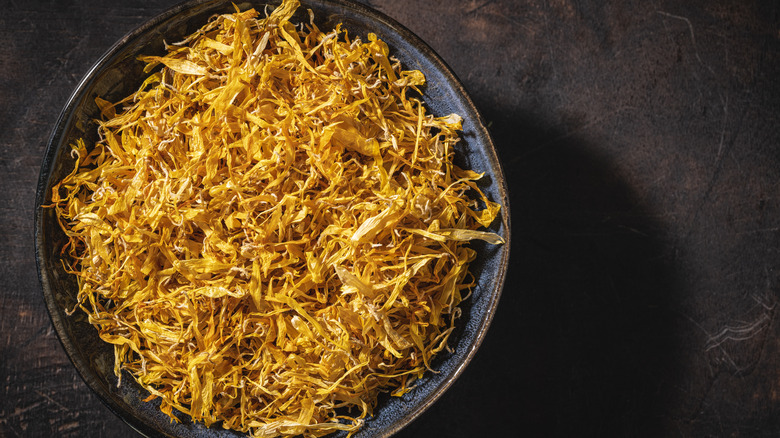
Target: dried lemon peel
270 231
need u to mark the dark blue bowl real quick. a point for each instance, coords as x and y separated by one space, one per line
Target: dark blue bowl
118 73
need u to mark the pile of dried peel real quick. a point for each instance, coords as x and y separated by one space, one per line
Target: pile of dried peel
271 228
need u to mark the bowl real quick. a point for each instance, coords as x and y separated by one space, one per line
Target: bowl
118 73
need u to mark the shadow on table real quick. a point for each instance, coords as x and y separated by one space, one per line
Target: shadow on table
582 342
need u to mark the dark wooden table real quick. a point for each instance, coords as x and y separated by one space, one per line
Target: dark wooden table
641 141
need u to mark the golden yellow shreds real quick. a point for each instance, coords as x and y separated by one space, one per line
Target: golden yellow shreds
271 227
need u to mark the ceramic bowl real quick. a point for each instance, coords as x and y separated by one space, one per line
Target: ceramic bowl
118 73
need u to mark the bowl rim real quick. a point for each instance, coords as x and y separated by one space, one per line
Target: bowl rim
66 116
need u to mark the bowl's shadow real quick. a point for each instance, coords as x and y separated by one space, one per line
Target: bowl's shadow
583 341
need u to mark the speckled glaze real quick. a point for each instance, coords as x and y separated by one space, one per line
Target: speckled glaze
118 73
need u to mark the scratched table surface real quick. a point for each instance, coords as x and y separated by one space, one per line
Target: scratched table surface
641 142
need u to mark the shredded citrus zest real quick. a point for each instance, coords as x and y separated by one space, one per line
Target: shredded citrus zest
270 230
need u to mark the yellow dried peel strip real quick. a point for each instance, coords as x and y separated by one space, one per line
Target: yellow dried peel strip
271 227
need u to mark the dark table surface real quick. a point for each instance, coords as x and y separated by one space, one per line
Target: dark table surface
641 142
